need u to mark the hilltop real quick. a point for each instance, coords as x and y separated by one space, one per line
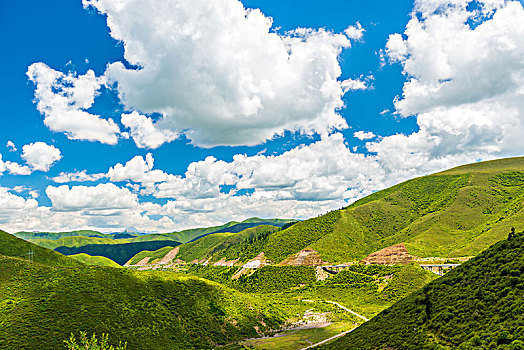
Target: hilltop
478 305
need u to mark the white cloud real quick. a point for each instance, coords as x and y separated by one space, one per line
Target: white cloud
63 100
218 73
465 83
40 156
364 135
100 197
18 169
138 170
79 176
354 84
355 32
11 146
14 168
144 132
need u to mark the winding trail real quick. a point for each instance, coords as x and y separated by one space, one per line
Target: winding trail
338 335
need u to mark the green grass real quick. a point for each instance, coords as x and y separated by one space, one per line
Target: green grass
16 247
94 260
41 305
297 339
478 305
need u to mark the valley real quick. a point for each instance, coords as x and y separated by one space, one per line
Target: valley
268 283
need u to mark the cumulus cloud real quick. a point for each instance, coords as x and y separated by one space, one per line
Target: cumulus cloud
364 135
63 100
465 83
355 32
14 168
144 132
78 176
11 146
40 156
138 170
100 197
217 72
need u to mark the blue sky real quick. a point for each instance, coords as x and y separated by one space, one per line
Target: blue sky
221 125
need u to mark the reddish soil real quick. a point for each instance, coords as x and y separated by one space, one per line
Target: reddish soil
308 257
396 254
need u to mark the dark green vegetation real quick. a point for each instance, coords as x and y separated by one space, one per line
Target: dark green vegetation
42 303
479 305
119 253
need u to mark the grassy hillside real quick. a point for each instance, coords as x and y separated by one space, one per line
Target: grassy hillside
57 235
41 305
15 247
455 213
94 260
479 305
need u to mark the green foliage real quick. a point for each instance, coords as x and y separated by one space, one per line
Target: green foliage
478 305
42 305
287 242
406 280
92 343
271 279
94 260
348 277
375 269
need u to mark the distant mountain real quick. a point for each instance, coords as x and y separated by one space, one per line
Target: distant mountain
479 305
249 223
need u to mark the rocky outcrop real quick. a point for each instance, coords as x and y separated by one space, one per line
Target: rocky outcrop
396 254
307 257
169 256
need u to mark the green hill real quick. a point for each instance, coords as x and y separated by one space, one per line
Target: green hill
43 302
459 212
479 305
15 247
94 260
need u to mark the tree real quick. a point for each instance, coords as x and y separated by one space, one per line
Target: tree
92 343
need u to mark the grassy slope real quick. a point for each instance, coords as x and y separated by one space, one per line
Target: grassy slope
41 305
94 260
459 212
16 247
43 302
479 305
